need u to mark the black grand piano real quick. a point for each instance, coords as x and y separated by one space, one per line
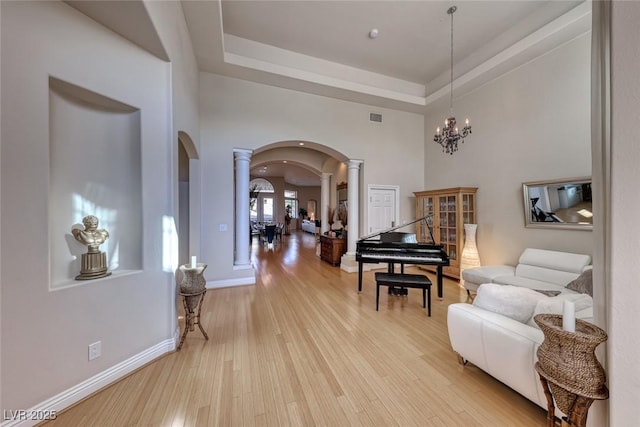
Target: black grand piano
400 248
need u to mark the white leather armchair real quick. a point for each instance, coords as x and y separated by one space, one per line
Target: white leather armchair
500 346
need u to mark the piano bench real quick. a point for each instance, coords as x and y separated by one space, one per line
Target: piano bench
405 281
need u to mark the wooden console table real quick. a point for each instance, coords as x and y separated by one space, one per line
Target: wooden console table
332 249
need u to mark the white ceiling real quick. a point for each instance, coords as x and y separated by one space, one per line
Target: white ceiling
292 174
414 36
323 47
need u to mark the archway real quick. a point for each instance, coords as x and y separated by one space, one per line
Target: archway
261 198
322 168
297 169
186 152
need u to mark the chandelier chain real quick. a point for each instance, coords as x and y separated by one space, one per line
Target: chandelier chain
450 135
451 68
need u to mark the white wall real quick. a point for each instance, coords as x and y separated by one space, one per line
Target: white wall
169 21
531 124
239 114
46 333
624 292
1 299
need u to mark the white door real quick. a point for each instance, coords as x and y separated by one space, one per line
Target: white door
383 208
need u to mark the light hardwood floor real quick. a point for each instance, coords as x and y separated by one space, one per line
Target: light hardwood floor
302 348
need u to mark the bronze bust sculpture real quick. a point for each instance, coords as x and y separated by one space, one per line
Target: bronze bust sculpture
94 262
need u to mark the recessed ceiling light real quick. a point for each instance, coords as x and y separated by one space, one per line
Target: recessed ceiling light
284 161
300 143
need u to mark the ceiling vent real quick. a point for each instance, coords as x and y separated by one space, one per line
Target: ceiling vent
375 117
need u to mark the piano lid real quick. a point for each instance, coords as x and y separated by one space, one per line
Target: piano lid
398 236
389 230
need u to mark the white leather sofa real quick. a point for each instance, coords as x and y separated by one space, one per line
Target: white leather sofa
497 333
503 347
309 226
539 269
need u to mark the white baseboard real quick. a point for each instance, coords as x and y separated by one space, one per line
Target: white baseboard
349 268
56 404
227 283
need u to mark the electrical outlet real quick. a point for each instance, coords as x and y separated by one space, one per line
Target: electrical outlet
223 227
95 350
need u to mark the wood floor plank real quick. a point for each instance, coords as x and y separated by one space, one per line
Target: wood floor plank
303 348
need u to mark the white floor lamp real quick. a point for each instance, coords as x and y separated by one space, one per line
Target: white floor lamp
470 257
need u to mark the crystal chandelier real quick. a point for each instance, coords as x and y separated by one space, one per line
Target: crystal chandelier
449 136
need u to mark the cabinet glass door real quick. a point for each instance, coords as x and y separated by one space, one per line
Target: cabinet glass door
425 208
468 209
447 225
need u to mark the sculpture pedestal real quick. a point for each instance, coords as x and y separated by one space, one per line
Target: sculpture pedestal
192 290
94 266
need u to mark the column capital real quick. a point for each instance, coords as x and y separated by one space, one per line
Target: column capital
326 175
355 164
242 153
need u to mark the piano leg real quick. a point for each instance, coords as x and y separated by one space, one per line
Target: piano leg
359 276
396 290
391 267
440 281
402 291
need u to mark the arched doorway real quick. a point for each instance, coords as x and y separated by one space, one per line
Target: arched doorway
186 153
261 201
318 170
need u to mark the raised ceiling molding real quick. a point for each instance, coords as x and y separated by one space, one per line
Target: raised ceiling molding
239 57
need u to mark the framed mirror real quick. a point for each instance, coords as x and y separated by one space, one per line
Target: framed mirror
341 192
311 209
560 204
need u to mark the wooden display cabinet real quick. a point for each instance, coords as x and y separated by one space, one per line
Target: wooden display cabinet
450 208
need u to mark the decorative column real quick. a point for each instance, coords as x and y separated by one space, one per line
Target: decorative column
354 204
325 195
348 262
242 159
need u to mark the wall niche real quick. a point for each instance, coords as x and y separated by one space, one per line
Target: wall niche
94 169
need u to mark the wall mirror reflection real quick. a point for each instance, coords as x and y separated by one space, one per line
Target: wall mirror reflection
311 208
341 192
560 203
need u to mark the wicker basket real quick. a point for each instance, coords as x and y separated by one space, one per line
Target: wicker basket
193 284
568 362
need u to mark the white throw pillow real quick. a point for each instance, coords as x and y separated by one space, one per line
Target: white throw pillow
554 305
512 301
